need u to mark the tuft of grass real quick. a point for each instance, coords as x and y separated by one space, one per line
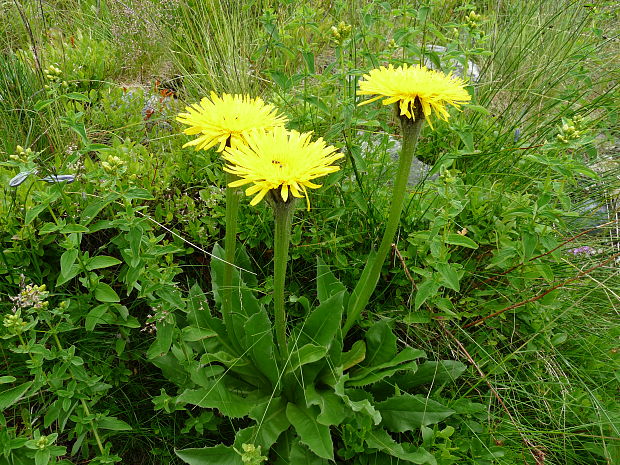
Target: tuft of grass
213 46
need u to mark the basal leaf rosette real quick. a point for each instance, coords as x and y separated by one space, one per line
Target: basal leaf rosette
229 118
403 85
280 160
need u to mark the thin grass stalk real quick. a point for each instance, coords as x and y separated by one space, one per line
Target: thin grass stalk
213 47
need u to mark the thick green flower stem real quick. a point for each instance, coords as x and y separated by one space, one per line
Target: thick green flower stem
366 286
230 243
283 213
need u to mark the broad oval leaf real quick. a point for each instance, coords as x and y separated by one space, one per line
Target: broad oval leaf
408 413
67 259
96 316
101 261
77 96
450 277
74 228
104 293
458 239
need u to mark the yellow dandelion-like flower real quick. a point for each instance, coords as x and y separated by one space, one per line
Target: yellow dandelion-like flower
404 84
280 159
227 118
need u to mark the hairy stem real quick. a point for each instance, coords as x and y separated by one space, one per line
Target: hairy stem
367 284
283 212
230 246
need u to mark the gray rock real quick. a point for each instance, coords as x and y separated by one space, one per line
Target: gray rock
419 170
473 71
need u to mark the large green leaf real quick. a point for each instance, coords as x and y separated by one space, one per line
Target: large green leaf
93 209
403 361
332 407
104 293
381 440
96 316
114 424
435 372
355 355
449 275
323 327
301 455
235 364
204 376
258 342
426 290
101 261
244 300
193 334
363 281
9 396
380 344
304 355
242 259
364 406
311 433
220 397
218 455
327 285
458 239
163 340
171 369
323 323
67 259
198 313
406 412
271 420
35 211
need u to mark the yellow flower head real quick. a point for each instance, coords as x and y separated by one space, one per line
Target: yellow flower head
219 119
280 159
404 84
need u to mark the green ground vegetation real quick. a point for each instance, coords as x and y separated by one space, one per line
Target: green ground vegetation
500 300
